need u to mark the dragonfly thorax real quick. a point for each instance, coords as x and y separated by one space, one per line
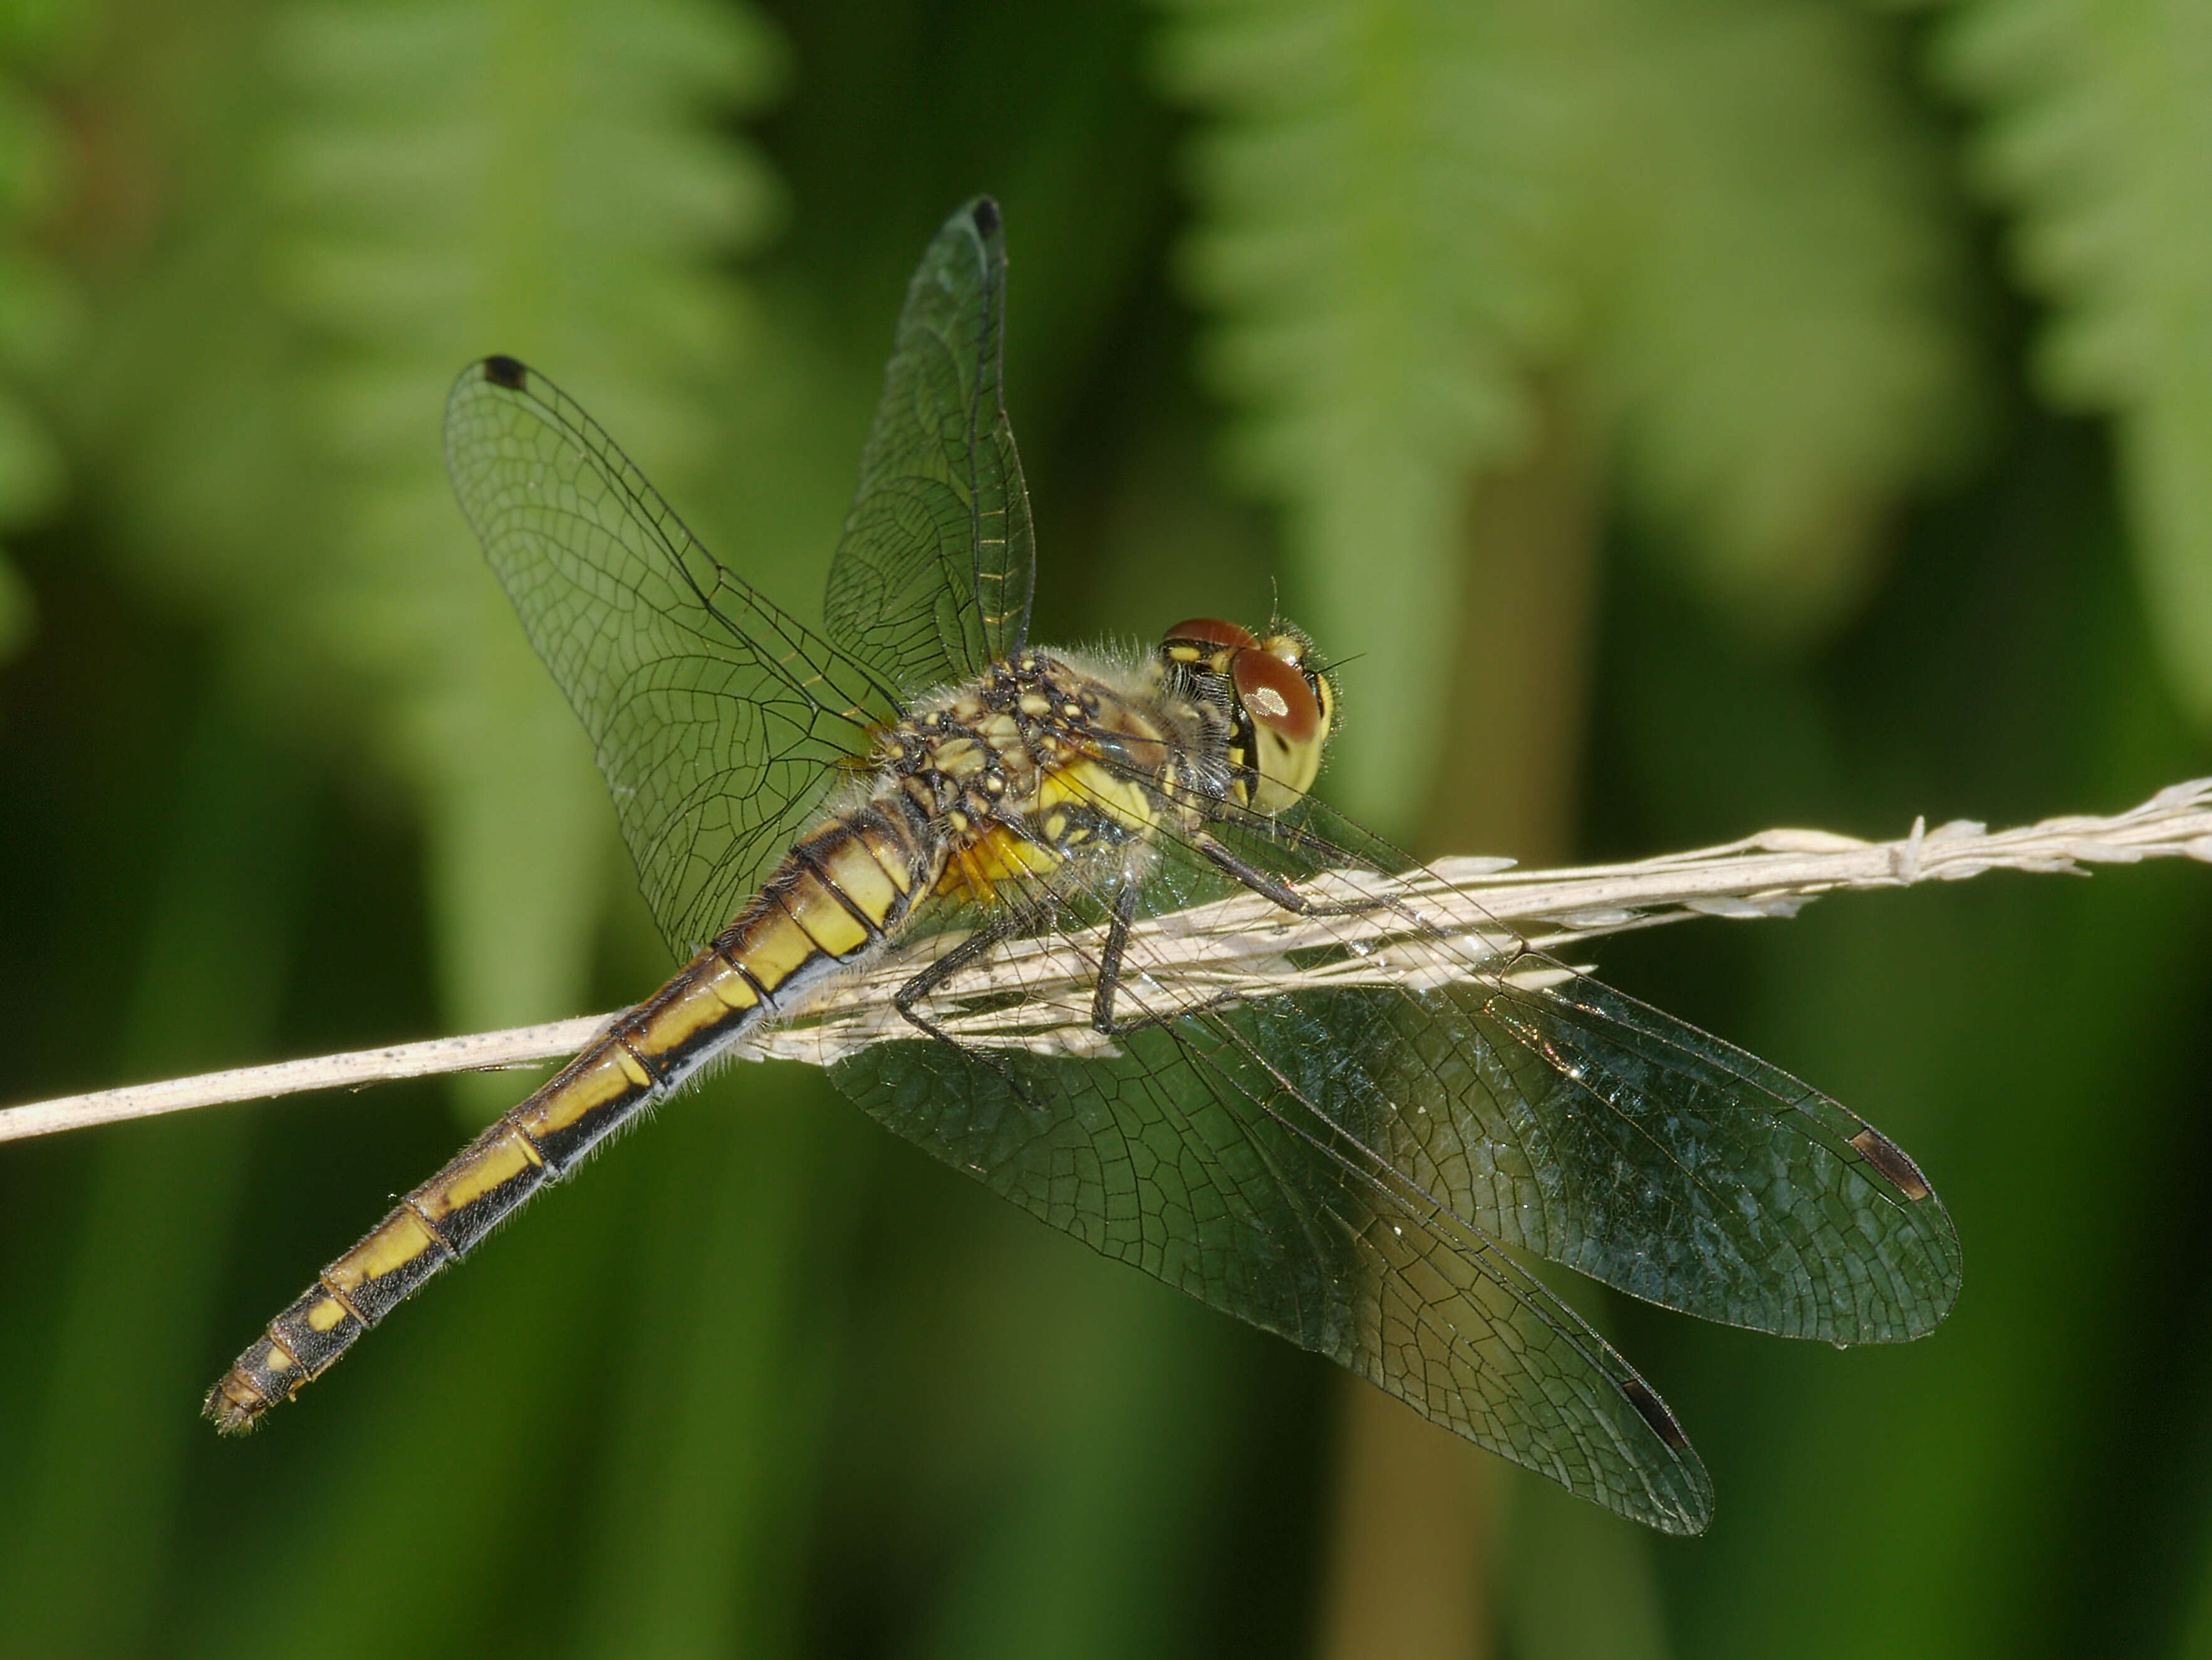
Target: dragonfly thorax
1050 759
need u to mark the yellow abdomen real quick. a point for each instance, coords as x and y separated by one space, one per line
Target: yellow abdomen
844 889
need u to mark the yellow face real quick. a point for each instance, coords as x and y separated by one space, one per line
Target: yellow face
1287 707
1291 717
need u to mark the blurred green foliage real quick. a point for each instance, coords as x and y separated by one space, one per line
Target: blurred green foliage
1879 338
36 315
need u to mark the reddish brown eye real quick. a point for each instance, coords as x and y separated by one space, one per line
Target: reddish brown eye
1211 631
1275 694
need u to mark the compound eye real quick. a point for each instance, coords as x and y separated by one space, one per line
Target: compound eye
1276 695
1211 631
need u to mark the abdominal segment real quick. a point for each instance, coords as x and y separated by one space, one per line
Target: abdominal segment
843 890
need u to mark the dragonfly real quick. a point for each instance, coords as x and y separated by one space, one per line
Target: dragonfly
1362 1163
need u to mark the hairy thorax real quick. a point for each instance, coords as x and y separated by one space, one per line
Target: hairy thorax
1051 760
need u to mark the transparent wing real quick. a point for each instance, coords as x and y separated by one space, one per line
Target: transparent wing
1339 1163
931 579
1553 1112
718 720
1234 1154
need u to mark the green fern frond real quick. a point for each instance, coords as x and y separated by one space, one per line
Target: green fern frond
551 182
2096 133
1715 211
39 312
405 188
1779 281
1377 182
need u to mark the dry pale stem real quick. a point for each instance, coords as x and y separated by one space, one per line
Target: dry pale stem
1457 919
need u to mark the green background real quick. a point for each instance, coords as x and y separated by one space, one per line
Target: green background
1685 416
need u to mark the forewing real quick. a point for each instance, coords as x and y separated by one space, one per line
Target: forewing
718 720
931 579
1196 1153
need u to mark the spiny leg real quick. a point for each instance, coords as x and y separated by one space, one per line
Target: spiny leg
1269 887
1122 916
972 950
1107 991
1110 960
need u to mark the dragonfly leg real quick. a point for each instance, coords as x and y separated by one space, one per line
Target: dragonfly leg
976 946
1282 893
1110 960
1103 1019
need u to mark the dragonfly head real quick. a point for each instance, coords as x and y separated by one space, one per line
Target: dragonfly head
1279 706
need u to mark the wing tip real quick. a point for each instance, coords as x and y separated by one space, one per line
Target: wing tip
1691 1518
983 213
504 371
